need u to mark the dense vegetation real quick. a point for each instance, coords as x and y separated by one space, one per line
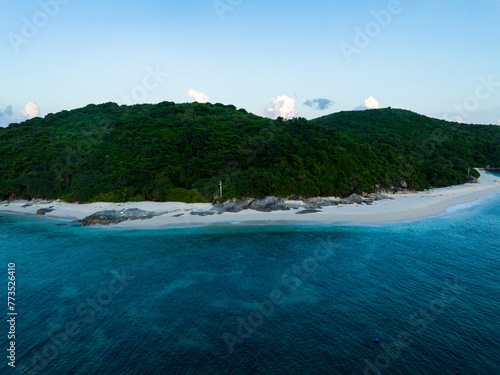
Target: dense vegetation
181 151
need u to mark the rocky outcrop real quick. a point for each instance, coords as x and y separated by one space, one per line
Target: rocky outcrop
312 206
379 197
233 205
103 218
269 204
473 180
352 199
115 217
321 202
400 187
369 199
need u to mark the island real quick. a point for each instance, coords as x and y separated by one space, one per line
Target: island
188 164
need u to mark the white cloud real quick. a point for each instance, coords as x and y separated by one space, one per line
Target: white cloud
499 121
30 110
198 96
283 106
459 119
369 103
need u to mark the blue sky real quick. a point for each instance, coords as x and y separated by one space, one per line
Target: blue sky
272 58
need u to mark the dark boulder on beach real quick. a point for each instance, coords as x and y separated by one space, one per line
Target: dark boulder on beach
43 211
233 205
324 202
103 218
352 199
313 206
202 213
110 217
269 204
307 212
379 197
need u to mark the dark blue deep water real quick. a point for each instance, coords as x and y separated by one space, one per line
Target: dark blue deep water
181 301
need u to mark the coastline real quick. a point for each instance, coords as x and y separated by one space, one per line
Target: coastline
402 207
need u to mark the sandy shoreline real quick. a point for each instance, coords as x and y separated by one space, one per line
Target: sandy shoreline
402 207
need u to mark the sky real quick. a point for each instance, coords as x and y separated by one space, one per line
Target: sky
273 58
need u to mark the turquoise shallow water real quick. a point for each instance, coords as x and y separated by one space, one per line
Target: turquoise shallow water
181 301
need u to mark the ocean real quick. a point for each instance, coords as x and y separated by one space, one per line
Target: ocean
240 299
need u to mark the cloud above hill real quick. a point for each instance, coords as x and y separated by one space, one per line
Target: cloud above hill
9 116
368 103
31 110
320 103
198 96
282 106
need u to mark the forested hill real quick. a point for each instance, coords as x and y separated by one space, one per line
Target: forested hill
180 152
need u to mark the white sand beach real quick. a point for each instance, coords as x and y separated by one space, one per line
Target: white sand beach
403 207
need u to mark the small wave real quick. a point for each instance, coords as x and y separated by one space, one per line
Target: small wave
465 206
